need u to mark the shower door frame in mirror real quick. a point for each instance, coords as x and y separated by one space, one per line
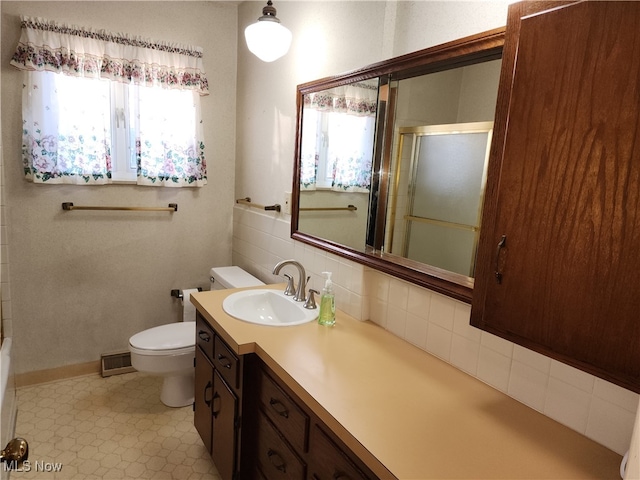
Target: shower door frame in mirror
470 50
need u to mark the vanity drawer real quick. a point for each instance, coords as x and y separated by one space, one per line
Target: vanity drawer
285 414
330 461
204 336
275 459
225 361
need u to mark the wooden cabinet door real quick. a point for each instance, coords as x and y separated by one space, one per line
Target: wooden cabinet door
564 191
203 396
224 408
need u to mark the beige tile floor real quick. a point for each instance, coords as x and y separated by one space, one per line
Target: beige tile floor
108 428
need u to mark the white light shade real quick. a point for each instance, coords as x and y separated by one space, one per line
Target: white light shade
267 40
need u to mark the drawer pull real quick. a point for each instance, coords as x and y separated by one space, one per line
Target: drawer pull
224 361
215 412
279 407
208 387
204 336
277 461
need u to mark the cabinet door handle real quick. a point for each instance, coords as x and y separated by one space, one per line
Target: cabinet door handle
277 461
501 245
279 407
224 361
214 412
204 336
208 387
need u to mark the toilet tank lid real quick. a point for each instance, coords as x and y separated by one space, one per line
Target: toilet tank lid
234 277
166 337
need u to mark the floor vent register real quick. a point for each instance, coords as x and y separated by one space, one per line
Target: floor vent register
116 363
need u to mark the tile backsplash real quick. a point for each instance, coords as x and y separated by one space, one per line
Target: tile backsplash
440 326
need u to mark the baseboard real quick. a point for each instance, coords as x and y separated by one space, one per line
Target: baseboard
58 373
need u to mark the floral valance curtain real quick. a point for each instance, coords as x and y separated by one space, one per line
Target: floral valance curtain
338 129
69 118
48 46
354 99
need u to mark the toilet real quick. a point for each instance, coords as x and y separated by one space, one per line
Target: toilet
169 350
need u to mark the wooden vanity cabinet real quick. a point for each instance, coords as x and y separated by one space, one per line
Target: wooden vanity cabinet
217 406
290 441
255 427
558 260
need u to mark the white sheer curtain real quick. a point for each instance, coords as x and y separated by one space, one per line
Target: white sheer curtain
349 154
68 117
338 129
168 133
66 141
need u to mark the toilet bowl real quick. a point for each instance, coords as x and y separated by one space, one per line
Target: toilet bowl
169 350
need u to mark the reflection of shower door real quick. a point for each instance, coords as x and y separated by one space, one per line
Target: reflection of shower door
446 186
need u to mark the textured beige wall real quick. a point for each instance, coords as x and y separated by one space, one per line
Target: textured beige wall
83 282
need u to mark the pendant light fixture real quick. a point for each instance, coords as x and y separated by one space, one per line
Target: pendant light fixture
267 39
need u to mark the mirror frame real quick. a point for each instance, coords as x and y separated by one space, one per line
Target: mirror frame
477 48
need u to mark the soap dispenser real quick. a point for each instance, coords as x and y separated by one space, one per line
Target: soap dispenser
327 315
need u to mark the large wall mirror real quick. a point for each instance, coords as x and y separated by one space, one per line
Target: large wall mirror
390 162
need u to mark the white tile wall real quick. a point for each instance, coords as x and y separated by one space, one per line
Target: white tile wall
440 325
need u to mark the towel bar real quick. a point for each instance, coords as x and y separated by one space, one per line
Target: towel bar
173 207
247 201
315 209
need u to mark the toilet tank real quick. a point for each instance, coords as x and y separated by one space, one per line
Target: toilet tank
231 277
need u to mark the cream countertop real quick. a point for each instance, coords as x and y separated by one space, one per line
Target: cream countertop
403 411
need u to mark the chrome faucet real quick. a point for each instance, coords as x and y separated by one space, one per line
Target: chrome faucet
299 295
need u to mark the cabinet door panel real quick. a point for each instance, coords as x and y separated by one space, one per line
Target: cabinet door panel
224 408
569 193
202 398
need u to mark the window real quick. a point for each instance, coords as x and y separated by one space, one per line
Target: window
92 116
337 138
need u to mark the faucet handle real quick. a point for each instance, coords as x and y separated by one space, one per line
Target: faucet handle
290 289
310 302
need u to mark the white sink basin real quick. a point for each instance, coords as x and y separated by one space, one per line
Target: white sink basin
267 307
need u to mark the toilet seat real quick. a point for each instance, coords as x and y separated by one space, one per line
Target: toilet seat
170 339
